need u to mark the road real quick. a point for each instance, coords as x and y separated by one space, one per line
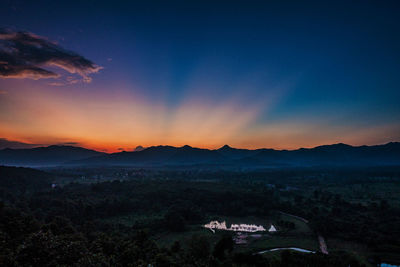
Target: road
322 244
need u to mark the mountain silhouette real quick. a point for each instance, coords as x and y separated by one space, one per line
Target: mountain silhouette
236 153
139 148
192 155
326 155
44 156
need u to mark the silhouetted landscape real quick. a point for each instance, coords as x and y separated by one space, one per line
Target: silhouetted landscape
199 133
333 205
328 155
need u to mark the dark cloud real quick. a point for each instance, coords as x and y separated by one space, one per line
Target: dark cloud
5 143
24 55
69 144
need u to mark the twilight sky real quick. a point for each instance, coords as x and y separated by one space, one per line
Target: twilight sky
280 74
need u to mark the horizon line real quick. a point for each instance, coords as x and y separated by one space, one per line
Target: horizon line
166 145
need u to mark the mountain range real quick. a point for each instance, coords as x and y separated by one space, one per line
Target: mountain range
326 155
45 156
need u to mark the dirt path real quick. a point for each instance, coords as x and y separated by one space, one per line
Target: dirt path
321 240
322 245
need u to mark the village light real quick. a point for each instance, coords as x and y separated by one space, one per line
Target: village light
237 227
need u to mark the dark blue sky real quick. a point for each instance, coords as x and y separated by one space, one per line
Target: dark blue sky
299 64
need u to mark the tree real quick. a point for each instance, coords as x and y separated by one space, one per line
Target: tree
45 249
174 221
199 248
224 244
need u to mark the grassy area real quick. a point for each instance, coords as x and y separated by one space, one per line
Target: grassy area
301 236
276 241
168 238
300 226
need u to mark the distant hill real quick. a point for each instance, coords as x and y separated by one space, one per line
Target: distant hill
157 155
192 155
235 153
327 155
45 156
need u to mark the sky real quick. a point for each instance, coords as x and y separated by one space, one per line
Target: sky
251 74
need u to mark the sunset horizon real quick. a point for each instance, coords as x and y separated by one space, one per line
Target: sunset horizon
245 76
20 144
200 133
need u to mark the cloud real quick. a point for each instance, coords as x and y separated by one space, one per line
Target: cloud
24 55
5 143
56 84
69 144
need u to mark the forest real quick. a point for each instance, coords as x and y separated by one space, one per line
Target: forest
154 217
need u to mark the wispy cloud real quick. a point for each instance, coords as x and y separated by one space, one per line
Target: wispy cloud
5 143
25 55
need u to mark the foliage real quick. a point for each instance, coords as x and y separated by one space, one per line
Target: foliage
77 224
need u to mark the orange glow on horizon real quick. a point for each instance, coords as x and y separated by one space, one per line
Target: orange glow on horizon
111 120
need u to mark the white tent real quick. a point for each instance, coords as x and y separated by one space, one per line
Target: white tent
272 229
